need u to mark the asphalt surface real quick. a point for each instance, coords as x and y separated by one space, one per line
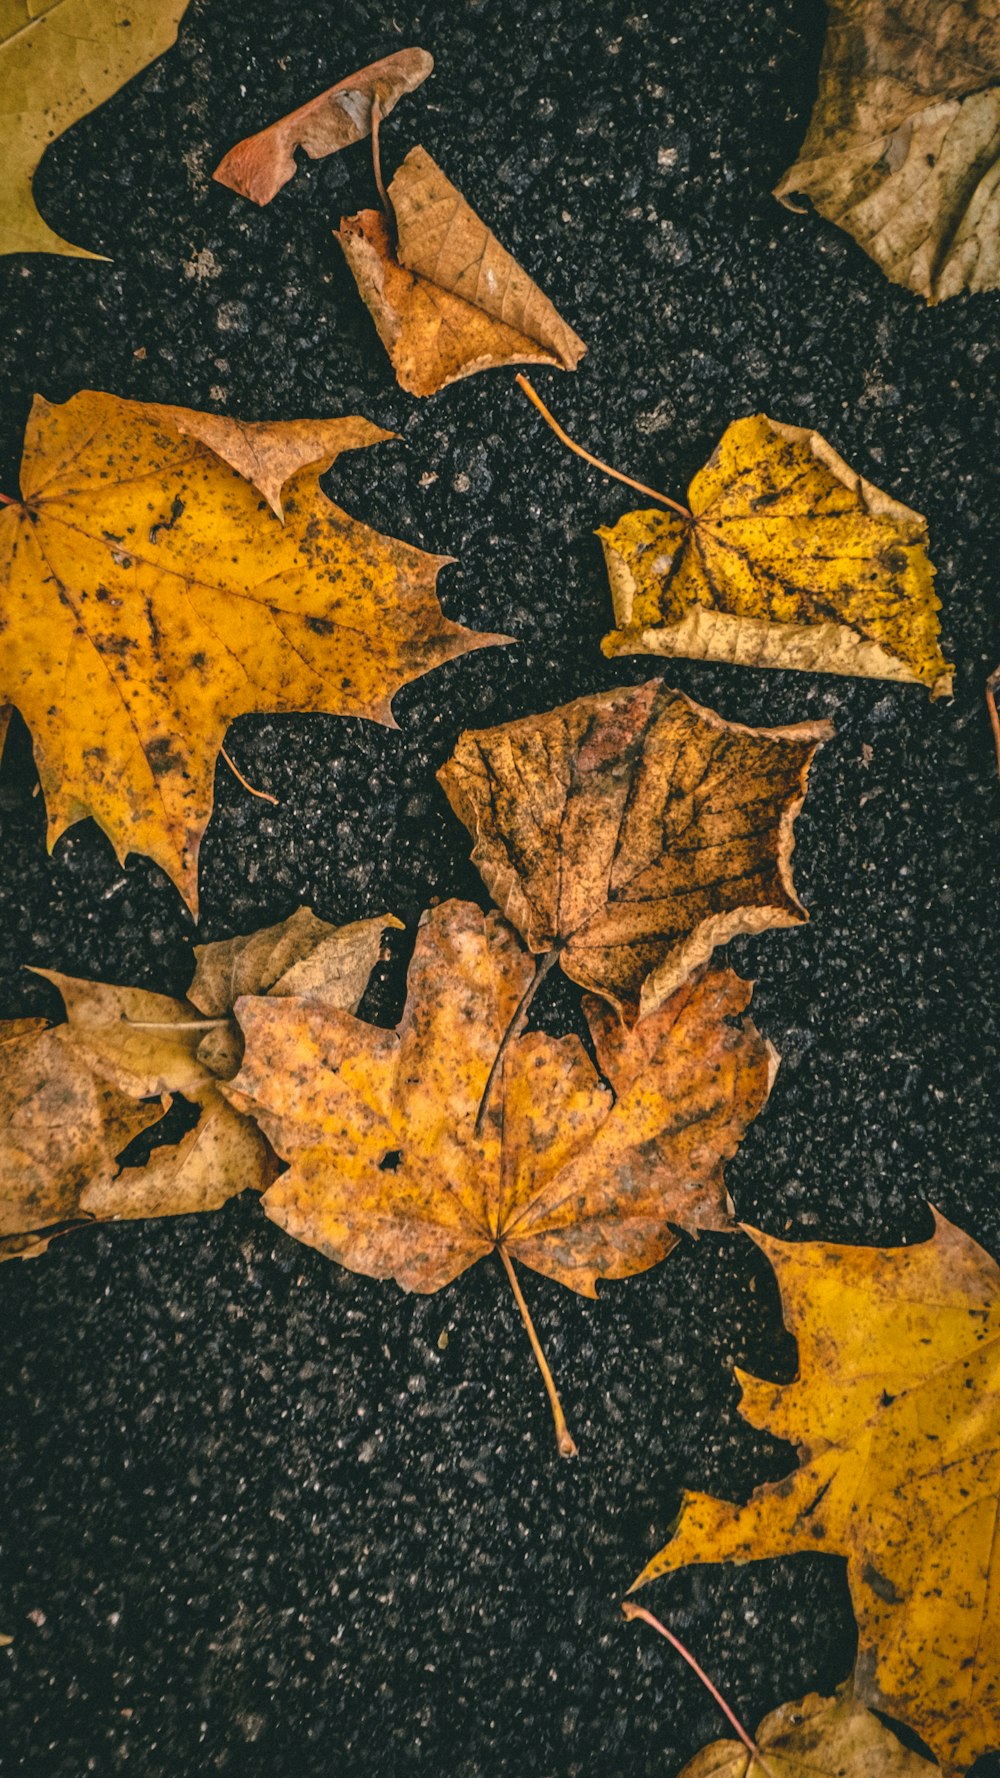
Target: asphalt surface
255 1516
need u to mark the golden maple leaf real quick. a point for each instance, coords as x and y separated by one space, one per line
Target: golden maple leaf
149 597
260 165
895 1411
629 833
446 298
901 149
391 1176
59 60
72 1098
787 559
814 1738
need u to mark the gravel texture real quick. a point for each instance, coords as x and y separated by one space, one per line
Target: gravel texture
257 1516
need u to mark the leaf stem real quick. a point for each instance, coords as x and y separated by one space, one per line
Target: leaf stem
991 707
564 1438
632 1611
6 500
377 156
175 1024
520 1012
595 462
265 795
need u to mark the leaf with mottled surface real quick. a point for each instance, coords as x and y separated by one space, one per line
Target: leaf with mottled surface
814 1738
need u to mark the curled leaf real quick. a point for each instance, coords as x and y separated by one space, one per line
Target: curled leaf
788 559
814 1738
902 146
446 298
895 1411
260 165
633 831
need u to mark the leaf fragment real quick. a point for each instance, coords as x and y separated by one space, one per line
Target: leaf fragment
634 830
261 164
789 560
815 1737
388 1175
895 1411
446 298
903 144
59 60
150 597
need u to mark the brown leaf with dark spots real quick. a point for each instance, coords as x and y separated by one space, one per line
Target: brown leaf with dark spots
260 165
581 1175
633 831
447 299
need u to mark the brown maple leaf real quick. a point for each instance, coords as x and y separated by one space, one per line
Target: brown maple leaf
150 597
447 299
260 165
627 834
72 1098
579 1174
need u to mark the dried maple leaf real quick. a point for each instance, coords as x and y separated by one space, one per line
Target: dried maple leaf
629 833
814 1738
447 299
896 1414
902 145
787 559
391 1177
148 599
71 1098
59 60
260 165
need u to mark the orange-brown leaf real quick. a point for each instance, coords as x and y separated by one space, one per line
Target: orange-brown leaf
634 831
260 165
447 299
388 1174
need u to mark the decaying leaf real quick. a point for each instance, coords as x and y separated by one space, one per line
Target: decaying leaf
59 60
149 598
578 1178
814 1738
447 299
633 831
903 144
896 1414
260 165
72 1098
789 559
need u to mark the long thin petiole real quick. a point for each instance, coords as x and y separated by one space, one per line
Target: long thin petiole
265 795
175 1024
377 156
991 706
595 462
520 1013
639 1611
5 500
564 1438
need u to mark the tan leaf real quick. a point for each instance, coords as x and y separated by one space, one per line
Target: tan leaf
389 1174
447 299
895 1413
59 60
150 598
814 1738
903 144
260 165
789 559
633 831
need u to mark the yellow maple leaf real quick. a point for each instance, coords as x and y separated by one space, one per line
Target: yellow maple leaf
896 1414
148 597
59 60
787 559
